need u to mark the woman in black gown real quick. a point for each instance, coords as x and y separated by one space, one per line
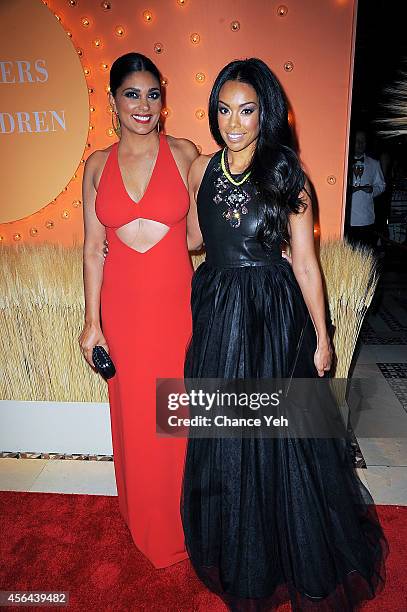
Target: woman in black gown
266 520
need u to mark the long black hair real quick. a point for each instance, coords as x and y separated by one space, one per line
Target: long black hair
128 63
275 169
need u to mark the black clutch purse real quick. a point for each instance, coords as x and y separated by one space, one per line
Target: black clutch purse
102 362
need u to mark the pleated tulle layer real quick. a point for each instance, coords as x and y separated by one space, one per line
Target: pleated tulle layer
271 520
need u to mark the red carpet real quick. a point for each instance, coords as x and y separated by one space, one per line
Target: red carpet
79 543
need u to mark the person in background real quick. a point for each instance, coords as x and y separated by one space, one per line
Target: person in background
367 183
382 203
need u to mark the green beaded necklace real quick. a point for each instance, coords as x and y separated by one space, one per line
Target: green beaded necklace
225 167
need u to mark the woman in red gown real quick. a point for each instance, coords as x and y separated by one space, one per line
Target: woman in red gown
137 300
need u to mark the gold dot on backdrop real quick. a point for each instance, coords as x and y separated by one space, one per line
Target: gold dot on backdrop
195 38
119 31
44 126
288 66
158 47
282 10
331 179
200 77
148 16
235 26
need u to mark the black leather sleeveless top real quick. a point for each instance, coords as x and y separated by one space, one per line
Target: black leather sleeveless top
229 218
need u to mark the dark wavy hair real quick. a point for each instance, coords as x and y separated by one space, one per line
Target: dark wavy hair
128 63
276 170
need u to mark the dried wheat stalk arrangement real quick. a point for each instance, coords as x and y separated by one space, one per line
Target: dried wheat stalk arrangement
41 317
42 308
351 278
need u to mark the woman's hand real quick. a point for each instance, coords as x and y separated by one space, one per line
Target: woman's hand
91 336
105 248
323 357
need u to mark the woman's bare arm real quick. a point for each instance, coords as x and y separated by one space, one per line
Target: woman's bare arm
93 261
307 272
196 172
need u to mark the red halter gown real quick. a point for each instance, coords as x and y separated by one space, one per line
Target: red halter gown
146 320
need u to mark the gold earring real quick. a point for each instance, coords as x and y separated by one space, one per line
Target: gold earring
158 127
116 123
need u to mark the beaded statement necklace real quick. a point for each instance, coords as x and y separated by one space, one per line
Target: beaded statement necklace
226 170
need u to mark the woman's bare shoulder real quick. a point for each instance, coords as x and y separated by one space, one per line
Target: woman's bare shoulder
95 163
197 170
201 162
98 157
183 146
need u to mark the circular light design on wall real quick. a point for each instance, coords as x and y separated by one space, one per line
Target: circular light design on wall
47 127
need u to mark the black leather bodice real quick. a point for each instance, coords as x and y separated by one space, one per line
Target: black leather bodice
229 217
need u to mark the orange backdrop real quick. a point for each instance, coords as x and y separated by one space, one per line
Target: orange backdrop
308 44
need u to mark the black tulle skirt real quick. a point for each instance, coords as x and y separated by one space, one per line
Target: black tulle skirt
271 520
